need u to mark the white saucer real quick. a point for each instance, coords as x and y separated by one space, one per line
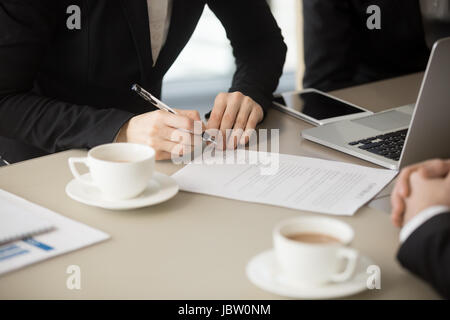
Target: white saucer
263 271
160 188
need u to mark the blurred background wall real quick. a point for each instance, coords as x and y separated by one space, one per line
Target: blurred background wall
206 65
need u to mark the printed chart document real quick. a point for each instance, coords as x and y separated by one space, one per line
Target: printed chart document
16 223
67 235
294 182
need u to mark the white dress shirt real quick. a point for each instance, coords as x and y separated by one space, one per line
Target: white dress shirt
159 12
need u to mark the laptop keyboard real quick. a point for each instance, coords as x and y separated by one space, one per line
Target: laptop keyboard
387 145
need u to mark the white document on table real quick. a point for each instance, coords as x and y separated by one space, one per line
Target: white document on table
16 223
298 183
67 235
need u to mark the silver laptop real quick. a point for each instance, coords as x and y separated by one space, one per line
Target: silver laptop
401 136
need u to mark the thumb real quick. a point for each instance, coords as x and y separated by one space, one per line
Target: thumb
436 168
416 177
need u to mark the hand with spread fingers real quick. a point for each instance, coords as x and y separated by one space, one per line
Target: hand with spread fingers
237 112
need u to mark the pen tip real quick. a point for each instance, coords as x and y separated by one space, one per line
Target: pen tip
134 87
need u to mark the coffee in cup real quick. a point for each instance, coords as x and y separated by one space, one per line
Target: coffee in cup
313 251
313 237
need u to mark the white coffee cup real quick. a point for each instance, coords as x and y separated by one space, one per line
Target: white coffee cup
119 170
307 264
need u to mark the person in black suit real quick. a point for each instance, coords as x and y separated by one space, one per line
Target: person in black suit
341 51
65 86
421 207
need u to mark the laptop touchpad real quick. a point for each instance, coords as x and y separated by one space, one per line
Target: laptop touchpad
385 121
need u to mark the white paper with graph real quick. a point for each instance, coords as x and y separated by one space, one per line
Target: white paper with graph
299 183
67 235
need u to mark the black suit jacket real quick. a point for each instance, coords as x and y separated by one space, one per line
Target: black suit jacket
340 50
62 88
426 253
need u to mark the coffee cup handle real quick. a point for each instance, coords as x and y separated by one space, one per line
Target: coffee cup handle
75 172
351 256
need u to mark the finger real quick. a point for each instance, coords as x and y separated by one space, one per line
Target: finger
398 207
254 118
422 173
162 155
178 136
194 115
400 192
247 136
243 113
217 137
217 112
229 116
179 150
436 168
175 149
415 177
177 121
191 114
235 138
241 122
402 185
402 189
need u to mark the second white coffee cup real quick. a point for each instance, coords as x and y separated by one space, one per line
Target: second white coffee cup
307 262
119 170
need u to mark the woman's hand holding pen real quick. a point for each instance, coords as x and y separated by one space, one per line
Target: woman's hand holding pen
161 131
172 132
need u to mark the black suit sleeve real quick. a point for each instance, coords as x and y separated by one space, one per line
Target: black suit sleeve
330 43
258 46
26 30
426 253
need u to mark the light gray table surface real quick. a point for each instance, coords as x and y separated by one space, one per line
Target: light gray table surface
196 246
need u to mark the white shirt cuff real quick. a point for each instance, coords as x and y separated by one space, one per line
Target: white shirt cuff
420 219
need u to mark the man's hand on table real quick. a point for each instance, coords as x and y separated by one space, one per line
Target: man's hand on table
419 187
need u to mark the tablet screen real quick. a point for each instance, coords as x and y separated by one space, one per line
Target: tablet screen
316 105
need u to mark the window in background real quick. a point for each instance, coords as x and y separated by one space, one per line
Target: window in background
206 65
